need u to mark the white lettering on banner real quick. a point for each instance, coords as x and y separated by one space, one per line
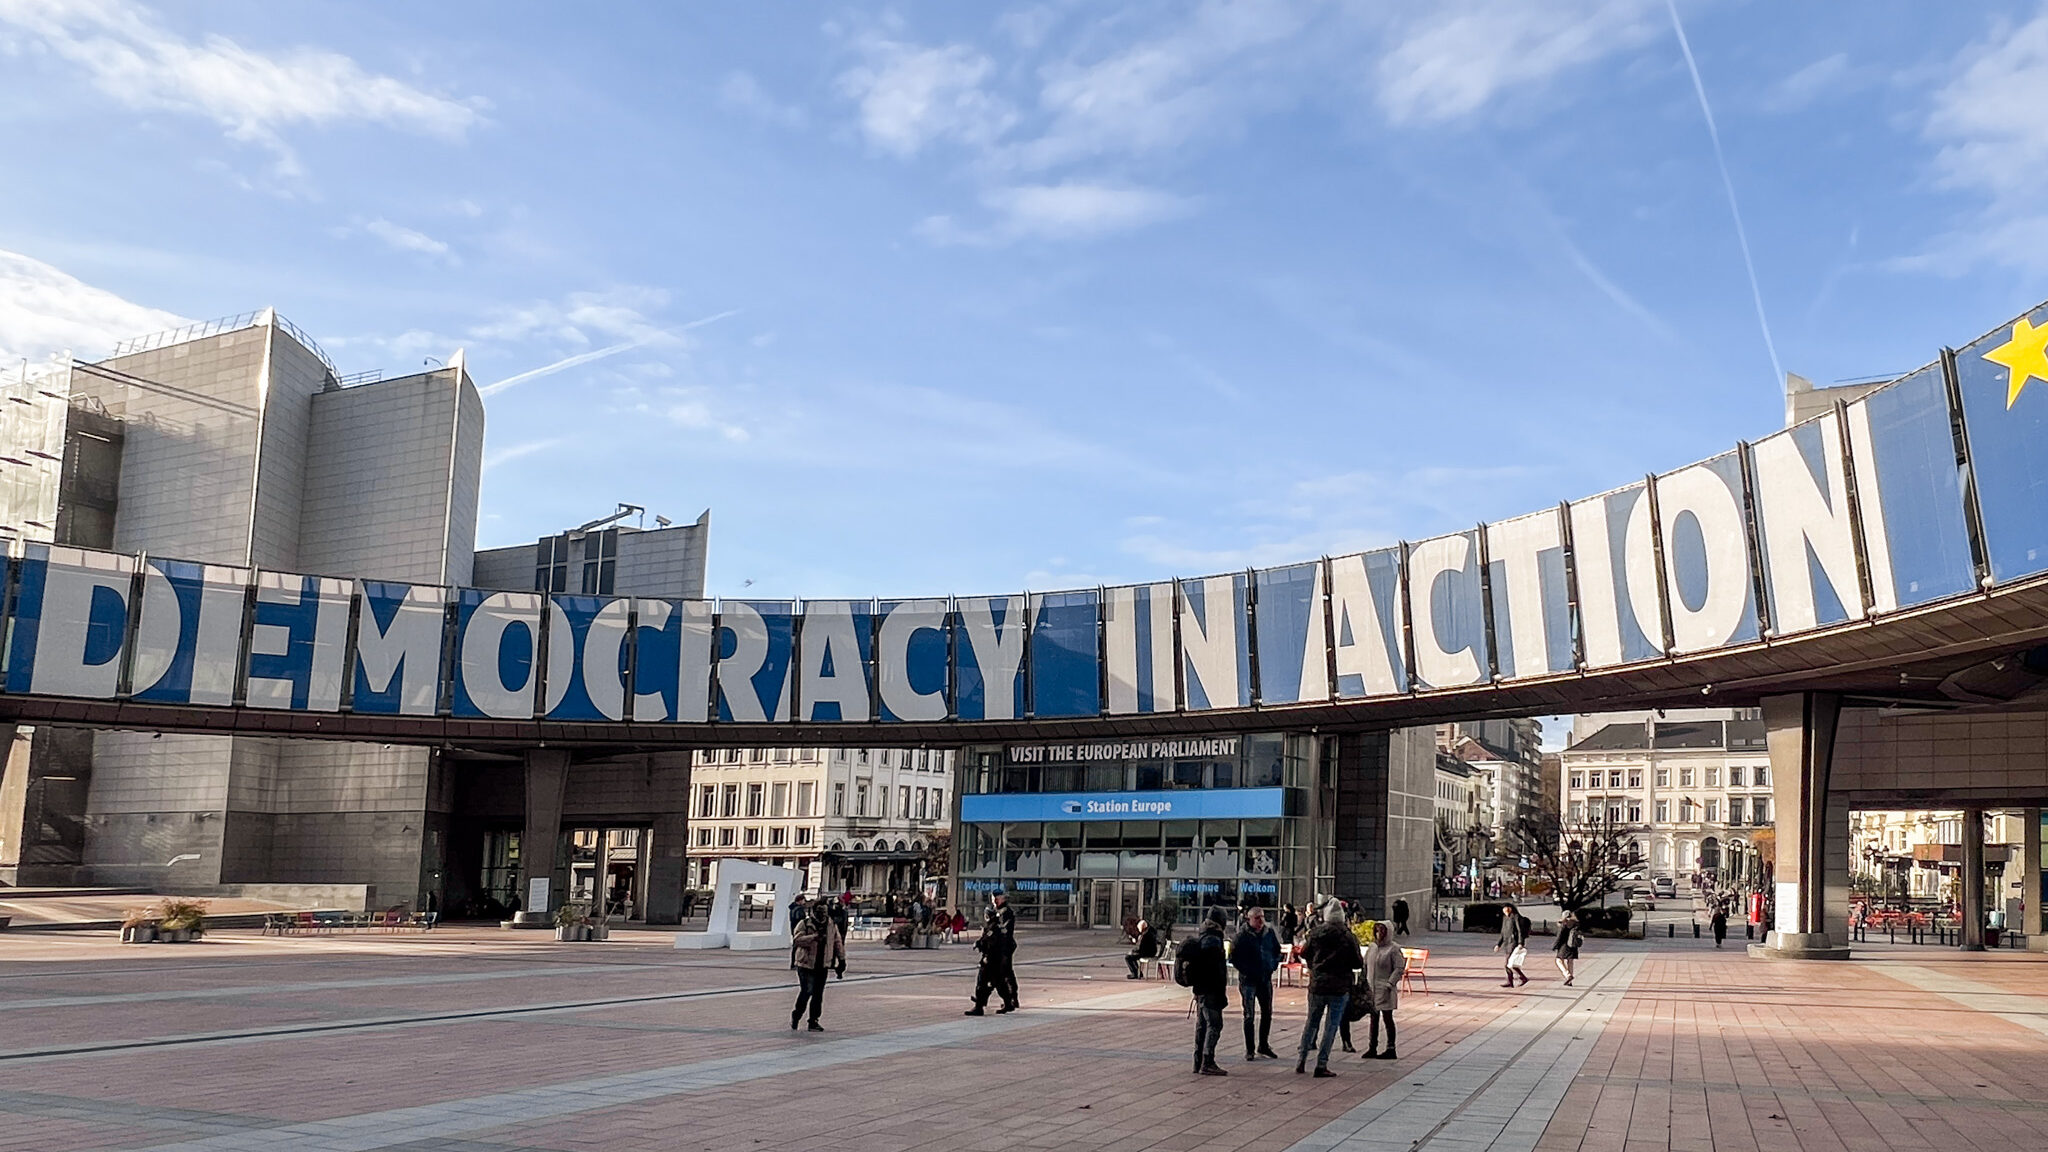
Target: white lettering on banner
1702 493
1315 650
1159 598
693 663
1518 546
829 635
1877 541
71 576
1120 647
409 651
1593 560
603 683
892 660
1210 747
217 634
1639 569
750 653
998 652
1127 807
1796 515
1208 641
1435 665
324 658
482 638
1359 646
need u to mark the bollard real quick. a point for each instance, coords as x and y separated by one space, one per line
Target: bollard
1749 931
1671 930
1892 932
1695 929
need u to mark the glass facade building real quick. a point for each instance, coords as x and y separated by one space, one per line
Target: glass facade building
1091 833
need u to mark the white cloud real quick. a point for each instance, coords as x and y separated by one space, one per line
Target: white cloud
694 413
44 311
1990 144
741 92
121 48
1067 211
1829 74
403 239
911 96
1457 58
507 455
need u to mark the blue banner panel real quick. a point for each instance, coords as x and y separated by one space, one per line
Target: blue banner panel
756 639
1191 804
1215 642
2003 379
298 643
1066 667
988 656
1294 647
1909 490
6 578
1366 620
1806 526
1614 555
70 622
1706 555
672 661
188 640
837 649
586 670
398 648
497 644
1532 605
1447 612
1137 646
911 647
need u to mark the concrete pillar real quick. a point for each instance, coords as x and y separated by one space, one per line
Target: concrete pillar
1970 902
668 846
2030 924
547 786
1385 825
1812 832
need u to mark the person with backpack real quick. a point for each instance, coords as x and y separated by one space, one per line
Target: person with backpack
1331 955
1256 956
1200 967
1400 917
1290 925
1514 940
1569 941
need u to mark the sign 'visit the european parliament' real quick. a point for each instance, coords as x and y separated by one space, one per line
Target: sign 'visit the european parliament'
1925 489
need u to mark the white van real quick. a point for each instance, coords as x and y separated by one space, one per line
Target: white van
1665 887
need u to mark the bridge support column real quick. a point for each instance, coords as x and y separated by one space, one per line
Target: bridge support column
1812 830
1970 904
2030 922
669 843
1385 820
547 786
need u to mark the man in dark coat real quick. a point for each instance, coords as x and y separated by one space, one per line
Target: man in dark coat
1256 956
997 945
1333 960
1208 975
1514 936
1144 946
815 948
1400 917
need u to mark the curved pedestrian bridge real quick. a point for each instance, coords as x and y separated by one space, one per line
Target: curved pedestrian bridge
1893 549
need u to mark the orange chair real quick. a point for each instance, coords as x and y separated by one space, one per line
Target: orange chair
1418 965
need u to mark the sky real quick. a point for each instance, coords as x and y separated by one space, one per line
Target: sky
931 298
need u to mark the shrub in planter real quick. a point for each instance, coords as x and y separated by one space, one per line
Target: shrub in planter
1606 921
138 926
1483 917
180 920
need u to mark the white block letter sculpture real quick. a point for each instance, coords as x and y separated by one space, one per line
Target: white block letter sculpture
724 929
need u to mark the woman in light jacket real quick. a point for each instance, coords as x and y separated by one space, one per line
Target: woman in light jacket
1385 965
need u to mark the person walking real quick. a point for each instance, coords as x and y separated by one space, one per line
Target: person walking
1207 974
1514 939
1331 954
1400 917
1569 940
1720 923
1385 965
1290 925
998 944
1256 956
1144 946
814 948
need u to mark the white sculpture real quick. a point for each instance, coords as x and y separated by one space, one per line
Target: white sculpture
724 929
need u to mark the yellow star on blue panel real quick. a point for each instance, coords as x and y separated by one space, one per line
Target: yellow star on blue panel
2025 357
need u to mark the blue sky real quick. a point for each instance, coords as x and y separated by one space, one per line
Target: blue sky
962 298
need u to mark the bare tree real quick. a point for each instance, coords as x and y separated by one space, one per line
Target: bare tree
1582 861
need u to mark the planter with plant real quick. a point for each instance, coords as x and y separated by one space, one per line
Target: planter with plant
179 921
138 926
572 923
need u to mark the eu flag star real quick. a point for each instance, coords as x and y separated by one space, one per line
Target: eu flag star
2025 357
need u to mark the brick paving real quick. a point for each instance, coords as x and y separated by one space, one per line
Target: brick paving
474 1040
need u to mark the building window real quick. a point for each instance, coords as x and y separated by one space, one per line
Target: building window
922 798
860 799
725 837
863 755
1578 779
1635 811
924 758
938 803
803 837
778 802
839 799
732 800
1760 809
753 837
1735 809
1663 811
1735 775
778 837
1614 812
757 755
1635 778
1763 776
903 802
1614 778
1685 808
1713 777
707 800
1663 777
754 795
703 837
806 795
1713 811
1685 777
732 755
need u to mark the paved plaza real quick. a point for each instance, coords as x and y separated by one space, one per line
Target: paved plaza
473 1040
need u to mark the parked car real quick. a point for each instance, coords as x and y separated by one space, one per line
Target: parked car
1665 887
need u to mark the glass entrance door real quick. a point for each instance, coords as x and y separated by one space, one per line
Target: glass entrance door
1111 900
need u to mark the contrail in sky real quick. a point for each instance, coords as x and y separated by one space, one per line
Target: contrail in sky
596 354
1720 161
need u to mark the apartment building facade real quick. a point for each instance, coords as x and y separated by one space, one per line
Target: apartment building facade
1690 794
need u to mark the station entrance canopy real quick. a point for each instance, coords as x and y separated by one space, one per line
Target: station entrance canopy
1886 548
